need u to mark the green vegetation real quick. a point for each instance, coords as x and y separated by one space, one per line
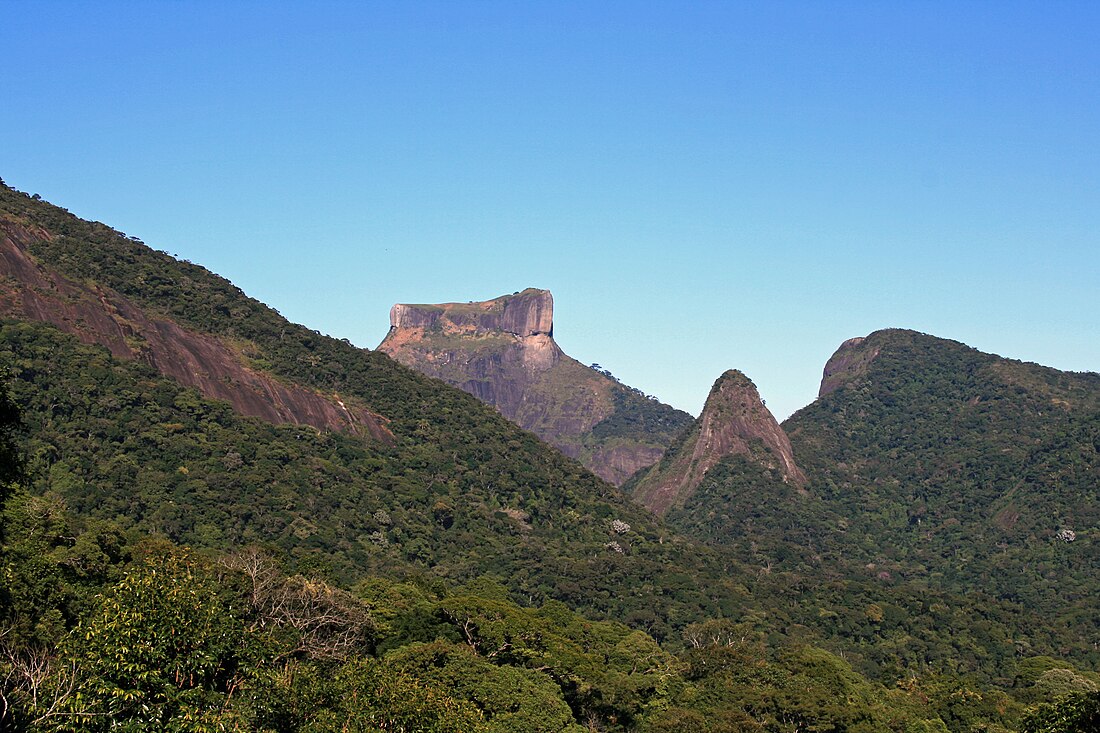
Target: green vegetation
115 441
963 470
177 640
934 532
468 578
641 418
746 507
1075 713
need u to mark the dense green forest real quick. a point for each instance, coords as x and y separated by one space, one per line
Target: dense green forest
108 630
116 441
466 576
964 470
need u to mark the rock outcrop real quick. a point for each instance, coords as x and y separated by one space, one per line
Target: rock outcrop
848 362
734 422
99 315
503 352
530 313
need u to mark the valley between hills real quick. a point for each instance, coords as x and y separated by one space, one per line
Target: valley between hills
215 519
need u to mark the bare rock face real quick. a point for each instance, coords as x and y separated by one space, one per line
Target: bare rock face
849 361
494 349
503 352
98 315
529 313
734 422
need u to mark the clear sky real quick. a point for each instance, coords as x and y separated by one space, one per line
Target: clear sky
703 186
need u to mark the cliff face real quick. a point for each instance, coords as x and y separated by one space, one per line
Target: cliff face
530 313
850 361
734 422
503 352
98 315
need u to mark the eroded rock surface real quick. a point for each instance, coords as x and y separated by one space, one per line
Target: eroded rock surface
503 352
849 361
734 422
98 315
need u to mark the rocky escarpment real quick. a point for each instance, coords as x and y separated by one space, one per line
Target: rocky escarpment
503 352
849 362
99 315
525 314
734 422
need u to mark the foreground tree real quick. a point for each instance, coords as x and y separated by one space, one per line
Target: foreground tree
11 461
162 651
1075 713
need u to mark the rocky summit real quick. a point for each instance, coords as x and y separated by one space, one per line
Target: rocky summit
734 422
503 352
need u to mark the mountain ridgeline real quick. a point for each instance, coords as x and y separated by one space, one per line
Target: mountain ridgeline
160 395
503 352
914 551
922 461
938 462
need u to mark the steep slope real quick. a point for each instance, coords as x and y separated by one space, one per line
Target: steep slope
732 481
97 314
113 440
503 352
459 492
963 468
734 423
456 492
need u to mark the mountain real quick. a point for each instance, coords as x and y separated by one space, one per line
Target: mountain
963 469
734 424
426 485
159 395
218 368
732 481
503 352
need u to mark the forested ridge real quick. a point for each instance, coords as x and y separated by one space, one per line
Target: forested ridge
464 577
966 470
107 630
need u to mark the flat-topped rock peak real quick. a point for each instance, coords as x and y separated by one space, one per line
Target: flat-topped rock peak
526 313
503 352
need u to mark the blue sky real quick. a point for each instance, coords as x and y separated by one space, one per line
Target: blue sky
703 186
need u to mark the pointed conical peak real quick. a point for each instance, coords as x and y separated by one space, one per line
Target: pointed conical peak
734 421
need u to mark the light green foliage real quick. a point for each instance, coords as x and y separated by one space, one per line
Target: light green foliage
513 699
1075 713
161 651
361 695
605 671
963 704
51 566
735 686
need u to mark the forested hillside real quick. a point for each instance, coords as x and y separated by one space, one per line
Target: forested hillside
962 469
455 561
